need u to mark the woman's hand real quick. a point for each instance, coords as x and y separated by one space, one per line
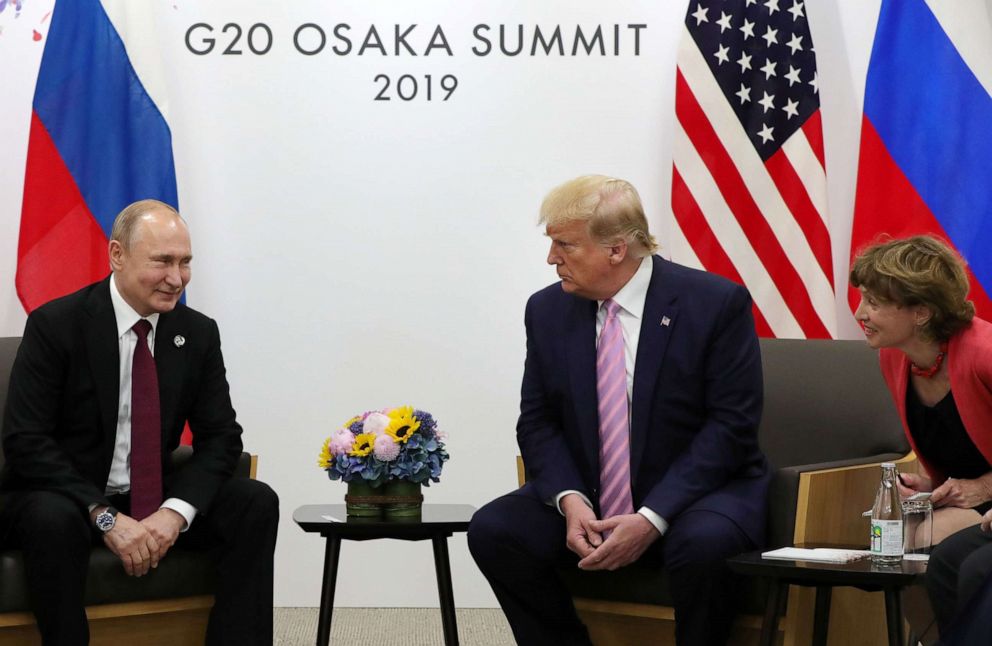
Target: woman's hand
910 483
963 493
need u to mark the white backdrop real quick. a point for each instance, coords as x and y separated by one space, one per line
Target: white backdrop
360 253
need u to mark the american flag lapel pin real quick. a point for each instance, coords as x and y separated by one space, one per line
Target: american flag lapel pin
665 321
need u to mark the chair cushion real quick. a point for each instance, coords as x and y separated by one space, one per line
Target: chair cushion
180 574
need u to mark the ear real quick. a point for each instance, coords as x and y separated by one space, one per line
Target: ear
922 314
116 252
617 252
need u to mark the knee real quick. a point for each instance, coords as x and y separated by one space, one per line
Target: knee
702 541
51 521
257 502
264 501
485 532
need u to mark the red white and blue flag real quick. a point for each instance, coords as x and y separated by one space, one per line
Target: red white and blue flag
97 143
926 135
748 182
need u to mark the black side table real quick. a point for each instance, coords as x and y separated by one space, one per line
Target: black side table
862 574
437 523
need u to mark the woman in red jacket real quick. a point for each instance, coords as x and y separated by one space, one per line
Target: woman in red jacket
936 357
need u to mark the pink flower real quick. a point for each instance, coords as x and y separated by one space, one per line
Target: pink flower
375 423
385 448
341 441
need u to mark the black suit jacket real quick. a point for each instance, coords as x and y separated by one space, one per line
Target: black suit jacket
696 402
60 422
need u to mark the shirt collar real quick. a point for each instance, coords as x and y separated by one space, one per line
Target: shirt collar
632 295
125 314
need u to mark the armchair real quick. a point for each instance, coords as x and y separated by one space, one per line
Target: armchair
169 608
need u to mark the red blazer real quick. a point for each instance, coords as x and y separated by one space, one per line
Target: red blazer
969 365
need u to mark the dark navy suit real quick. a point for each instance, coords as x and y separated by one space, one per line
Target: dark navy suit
695 459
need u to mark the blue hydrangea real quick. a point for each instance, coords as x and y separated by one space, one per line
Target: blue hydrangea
420 459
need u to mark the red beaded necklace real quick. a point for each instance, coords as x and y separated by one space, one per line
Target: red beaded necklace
927 373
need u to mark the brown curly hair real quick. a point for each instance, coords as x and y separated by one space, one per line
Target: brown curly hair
921 270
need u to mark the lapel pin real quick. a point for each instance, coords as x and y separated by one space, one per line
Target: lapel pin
665 321
179 340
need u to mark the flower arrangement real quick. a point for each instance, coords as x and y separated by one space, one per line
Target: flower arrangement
392 444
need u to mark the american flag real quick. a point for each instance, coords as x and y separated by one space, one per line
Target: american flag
748 183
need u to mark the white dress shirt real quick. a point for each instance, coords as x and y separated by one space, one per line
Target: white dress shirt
119 480
631 299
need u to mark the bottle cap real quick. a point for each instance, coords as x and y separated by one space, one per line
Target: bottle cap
888 465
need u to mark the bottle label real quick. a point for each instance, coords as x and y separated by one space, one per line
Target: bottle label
886 537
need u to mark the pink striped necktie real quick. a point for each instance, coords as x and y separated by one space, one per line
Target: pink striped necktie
614 434
146 429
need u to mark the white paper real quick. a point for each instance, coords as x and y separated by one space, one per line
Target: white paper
820 554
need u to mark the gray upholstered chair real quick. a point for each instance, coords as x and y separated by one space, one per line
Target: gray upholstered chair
170 606
828 421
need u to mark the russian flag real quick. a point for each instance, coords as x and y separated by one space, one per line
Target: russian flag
925 163
97 143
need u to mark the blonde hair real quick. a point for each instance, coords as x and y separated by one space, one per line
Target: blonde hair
611 207
126 222
920 270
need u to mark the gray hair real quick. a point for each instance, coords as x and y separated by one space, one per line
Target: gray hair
126 222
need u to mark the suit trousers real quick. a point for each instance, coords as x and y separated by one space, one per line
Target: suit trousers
518 542
959 567
55 535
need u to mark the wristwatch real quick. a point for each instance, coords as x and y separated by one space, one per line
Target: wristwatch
105 519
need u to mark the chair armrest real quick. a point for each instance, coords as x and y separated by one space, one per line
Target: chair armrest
246 467
830 501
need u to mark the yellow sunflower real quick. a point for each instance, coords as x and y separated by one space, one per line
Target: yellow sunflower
351 421
402 424
325 459
363 445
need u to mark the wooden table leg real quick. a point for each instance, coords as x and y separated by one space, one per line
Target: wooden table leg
893 616
821 615
444 590
769 625
331 552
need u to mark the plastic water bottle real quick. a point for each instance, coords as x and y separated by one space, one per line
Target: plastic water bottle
886 520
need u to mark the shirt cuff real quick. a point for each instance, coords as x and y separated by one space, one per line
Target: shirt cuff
659 523
182 508
565 493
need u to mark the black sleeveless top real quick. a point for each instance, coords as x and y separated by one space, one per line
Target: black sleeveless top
940 435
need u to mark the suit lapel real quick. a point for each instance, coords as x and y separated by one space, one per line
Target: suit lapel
170 358
580 344
103 355
660 317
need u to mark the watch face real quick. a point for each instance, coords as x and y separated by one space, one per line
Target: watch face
105 521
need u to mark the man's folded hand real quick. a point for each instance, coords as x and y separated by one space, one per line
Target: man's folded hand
133 544
630 536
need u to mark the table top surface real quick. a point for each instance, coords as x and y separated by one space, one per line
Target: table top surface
435 519
861 573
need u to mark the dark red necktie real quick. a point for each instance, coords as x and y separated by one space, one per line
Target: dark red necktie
146 429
